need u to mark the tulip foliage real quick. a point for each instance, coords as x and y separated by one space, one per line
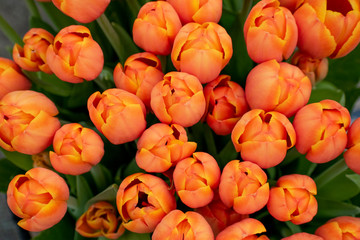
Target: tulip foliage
183 119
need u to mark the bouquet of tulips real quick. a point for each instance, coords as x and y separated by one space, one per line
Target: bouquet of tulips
183 119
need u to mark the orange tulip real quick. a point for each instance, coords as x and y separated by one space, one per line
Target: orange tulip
328 28
38 197
76 149
246 229
244 187
198 11
117 114
177 225
100 219
27 122
302 236
321 130
142 201
293 199
263 137
351 156
280 87
32 57
11 78
226 104
81 12
74 55
161 146
139 75
343 227
270 32
155 27
202 50
179 98
196 178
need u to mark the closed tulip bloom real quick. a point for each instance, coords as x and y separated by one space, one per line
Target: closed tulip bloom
293 199
178 225
245 229
263 137
302 236
352 154
155 27
179 98
202 50
226 104
161 146
74 55
280 87
139 75
32 56
100 219
328 28
321 130
38 197
142 201
11 77
244 187
198 11
117 114
343 227
270 32
27 122
81 12
76 149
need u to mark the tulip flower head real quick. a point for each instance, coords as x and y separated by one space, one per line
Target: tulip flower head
155 27
263 137
351 156
75 56
302 236
11 77
321 130
280 87
178 225
245 229
270 32
343 227
293 199
76 149
178 98
117 114
38 197
226 104
32 57
27 122
140 73
202 50
100 219
142 201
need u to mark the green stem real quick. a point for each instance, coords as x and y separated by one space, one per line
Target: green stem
245 10
210 141
134 7
33 8
9 32
330 173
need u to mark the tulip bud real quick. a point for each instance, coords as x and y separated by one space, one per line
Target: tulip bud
11 78
321 130
202 50
142 201
179 98
27 122
179 225
76 149
280 87
117 114
351 156
226 104
81 12
139 75
270 32
75 56
196 178
343 227
263 137
38 197
293 199
302 236
155 27
245 229
101 219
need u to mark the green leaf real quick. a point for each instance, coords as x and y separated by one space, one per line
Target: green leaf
20 160
131 168
330 208
101 175
128 43
63 230
36 22
134 236
7 172
83 191
326 90
79 94
108 195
